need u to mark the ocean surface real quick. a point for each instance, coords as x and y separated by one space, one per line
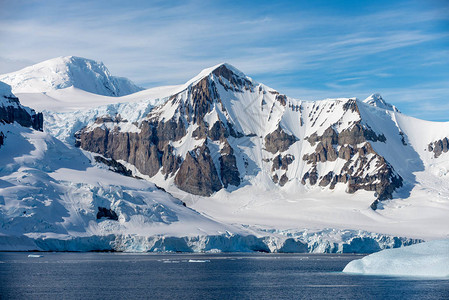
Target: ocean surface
200 276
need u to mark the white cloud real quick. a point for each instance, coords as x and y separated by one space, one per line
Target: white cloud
161 43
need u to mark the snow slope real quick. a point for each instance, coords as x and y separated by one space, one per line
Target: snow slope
430 259
69 71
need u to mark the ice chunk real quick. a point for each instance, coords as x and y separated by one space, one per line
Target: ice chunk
198 260
426 259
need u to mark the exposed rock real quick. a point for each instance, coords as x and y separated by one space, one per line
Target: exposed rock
351 105
322 153
402 138
357 134
311 175
439 147
383 181
13 111
114 165
329 137
283 180
282 99
346 152
106 213
279 141
282 162
217 132
237 83
170 162
228 166
169 131
147 150
197 174
326 179
203 95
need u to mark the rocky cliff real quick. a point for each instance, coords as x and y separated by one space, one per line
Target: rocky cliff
12 111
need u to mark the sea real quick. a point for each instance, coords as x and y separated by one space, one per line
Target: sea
97 275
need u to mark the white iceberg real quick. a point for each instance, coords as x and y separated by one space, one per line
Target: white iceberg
430 259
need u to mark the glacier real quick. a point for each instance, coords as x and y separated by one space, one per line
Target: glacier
429 259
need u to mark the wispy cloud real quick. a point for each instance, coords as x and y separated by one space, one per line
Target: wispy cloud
292 46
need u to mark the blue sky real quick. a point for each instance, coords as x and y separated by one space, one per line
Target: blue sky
305 49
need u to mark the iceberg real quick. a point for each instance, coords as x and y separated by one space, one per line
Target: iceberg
429 259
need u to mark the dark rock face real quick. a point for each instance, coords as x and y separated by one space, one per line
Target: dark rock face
106 213
439 147
148 149
331 145
236 83
283 180
282 162
114 165
218 132
170 162
17 113
357 134
279 141
197 174
282 99
203 94
228 167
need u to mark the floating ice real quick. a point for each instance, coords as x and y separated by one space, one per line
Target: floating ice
198 260
430 259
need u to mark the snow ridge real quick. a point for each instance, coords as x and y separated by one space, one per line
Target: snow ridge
376 100
69 71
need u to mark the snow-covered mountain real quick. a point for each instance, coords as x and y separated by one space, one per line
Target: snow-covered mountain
238 150
69 71
54 196
274 167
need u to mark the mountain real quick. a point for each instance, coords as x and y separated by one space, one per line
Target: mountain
273 173
198 139
69 71
51 197
224 137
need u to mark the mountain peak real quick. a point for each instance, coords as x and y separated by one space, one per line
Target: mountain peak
377 101
69 71
222 69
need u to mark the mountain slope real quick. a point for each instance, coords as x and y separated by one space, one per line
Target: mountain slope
69 71
221 111
318 172
233 148
52 198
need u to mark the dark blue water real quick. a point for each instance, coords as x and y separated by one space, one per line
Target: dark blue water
214 276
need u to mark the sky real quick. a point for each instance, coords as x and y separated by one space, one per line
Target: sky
306 49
